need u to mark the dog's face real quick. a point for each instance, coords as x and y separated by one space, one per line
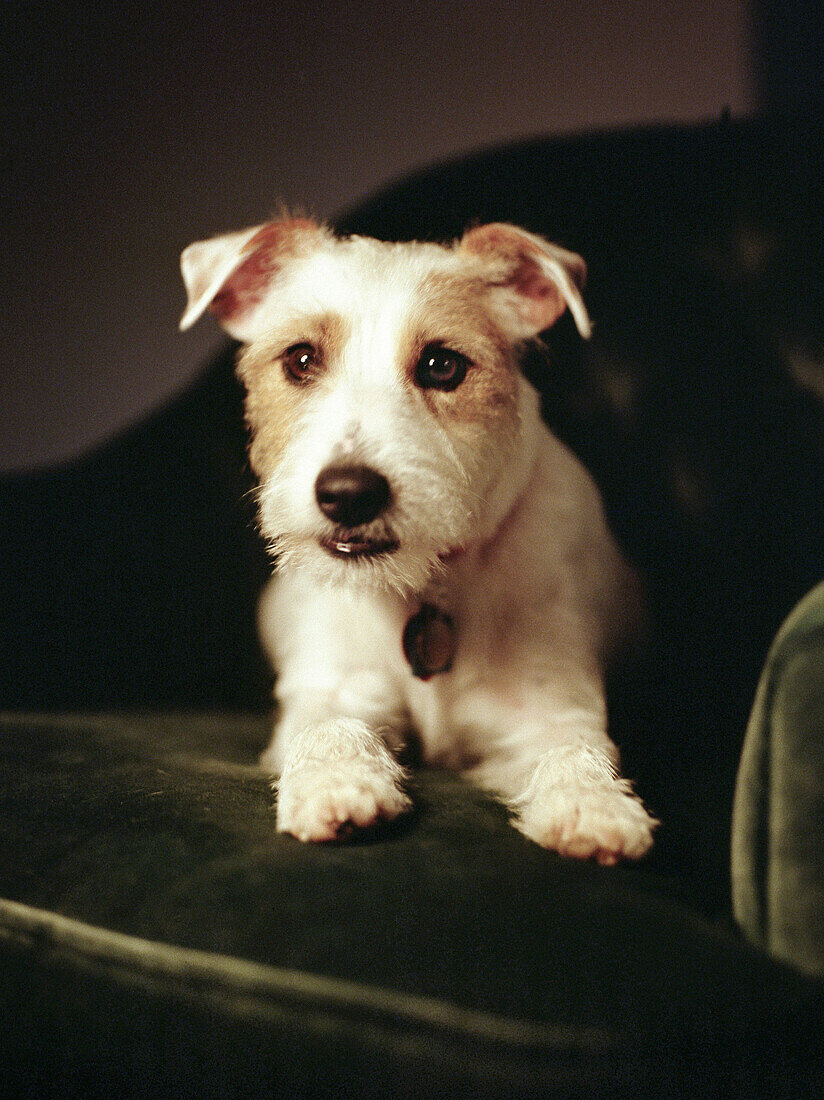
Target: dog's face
384 399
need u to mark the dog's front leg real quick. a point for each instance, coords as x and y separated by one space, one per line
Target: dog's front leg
337 776
341 713
576 803
557 770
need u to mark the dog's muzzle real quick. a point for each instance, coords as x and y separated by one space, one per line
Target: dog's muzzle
353 497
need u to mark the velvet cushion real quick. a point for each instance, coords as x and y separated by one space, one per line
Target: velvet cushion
159 937
778 821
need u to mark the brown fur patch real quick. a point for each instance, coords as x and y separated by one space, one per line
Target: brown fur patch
274 402
452 312
542 299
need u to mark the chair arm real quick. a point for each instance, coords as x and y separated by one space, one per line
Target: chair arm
778 814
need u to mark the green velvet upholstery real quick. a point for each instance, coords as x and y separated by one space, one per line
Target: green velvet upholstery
158 936
778 821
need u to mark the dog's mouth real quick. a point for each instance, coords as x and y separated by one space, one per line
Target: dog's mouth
353 547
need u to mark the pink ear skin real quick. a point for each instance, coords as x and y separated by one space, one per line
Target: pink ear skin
249 282
546 277
230 275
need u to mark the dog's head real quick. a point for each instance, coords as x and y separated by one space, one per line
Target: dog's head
384 399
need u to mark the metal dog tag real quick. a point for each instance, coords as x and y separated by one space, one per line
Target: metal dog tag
429 641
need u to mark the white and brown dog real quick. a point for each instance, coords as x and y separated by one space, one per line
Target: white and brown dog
443 561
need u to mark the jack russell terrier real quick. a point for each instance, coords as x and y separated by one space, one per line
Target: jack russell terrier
443 561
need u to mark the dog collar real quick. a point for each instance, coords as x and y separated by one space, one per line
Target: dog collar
429 641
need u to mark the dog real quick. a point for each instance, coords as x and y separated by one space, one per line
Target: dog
443 562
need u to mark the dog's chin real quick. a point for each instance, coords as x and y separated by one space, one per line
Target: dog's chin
384 561
377 563
352 548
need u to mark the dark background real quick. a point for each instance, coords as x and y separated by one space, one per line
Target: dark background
133 129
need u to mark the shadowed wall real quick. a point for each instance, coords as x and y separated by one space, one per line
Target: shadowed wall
131 134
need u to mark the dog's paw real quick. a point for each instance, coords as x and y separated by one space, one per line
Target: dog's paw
329 796
604 824
328 800
578 806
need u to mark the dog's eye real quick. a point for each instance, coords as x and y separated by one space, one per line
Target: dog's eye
300 362
440 368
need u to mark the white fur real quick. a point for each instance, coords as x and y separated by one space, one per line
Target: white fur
505 534
338 775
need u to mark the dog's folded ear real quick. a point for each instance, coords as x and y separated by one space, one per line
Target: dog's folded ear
536 280
231 275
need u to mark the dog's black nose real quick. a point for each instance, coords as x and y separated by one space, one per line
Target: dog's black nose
351 495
